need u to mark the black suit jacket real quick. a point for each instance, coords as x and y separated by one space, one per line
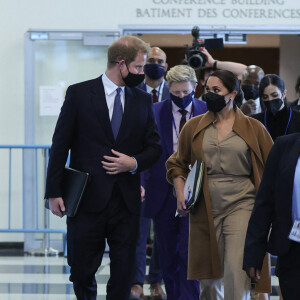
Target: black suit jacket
295 105
294 125
84 127
273 204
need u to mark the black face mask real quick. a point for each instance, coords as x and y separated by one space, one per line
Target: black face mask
214 101
132 80
250 92
273 105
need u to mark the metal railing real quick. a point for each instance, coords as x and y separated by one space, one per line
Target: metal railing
38 203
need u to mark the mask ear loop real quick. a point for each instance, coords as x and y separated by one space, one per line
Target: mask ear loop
231 99
121 63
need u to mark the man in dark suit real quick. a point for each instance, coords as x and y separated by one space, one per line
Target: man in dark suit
277 206
111 132
155 69
156 86
160 203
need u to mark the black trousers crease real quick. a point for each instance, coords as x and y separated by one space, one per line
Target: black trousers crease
86 245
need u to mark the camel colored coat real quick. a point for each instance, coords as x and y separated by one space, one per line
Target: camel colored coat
204 261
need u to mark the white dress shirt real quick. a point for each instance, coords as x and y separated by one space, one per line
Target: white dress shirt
176 119
110 89
159 90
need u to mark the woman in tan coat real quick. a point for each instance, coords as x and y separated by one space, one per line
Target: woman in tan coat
234 148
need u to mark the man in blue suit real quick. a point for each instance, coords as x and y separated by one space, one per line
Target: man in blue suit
160 203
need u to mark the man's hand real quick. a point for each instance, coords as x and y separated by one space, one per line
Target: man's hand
248 108
119 164
253 273
142 194
57 206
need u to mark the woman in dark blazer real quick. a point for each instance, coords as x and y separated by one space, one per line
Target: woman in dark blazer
277 206
278 118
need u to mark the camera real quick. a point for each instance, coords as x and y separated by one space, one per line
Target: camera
195 58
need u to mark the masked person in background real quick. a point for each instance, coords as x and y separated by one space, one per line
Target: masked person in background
212 65
277 118
155 85
160 203
251 78
154 70
234 148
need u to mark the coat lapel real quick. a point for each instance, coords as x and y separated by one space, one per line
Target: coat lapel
165 92
241 126
244 129
99 102
207 119
197 108
166 124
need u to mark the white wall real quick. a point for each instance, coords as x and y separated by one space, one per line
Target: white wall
290 63
17 16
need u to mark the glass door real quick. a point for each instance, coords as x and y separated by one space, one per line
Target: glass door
53 61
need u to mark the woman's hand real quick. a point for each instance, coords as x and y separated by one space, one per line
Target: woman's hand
181 202
181 206
253 273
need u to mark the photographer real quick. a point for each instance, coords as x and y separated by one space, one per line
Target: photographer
213 64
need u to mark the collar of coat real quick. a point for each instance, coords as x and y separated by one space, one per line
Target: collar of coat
244 126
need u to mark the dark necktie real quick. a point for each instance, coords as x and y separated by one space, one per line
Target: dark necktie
183 118
117 114
154 96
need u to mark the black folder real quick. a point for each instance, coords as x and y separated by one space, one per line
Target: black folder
194 185
73 186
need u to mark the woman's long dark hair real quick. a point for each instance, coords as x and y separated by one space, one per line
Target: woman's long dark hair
271 79
231 82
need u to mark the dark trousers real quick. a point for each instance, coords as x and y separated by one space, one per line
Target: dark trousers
288 268
155 273
86 244
172 235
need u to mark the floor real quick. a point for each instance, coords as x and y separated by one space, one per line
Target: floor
47 278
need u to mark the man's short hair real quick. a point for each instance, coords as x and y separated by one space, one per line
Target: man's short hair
126 48
181 73
252 69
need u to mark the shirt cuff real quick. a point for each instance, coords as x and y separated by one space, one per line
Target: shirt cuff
136 166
